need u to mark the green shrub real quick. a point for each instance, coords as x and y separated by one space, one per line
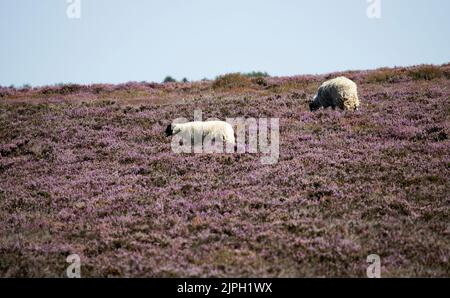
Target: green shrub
169 79
382 75
25 87
261 81
256 74
69 89
447 74
426 72
232 81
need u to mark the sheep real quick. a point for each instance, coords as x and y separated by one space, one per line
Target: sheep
339 92
196 132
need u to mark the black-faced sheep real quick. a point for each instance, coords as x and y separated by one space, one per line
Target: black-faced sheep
197 131
339 92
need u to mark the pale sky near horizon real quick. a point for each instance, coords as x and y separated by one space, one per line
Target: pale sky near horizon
118 41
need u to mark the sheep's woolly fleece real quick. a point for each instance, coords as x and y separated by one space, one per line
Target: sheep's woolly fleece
339 92
218 130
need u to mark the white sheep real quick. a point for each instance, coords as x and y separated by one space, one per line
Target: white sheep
339 92
196 132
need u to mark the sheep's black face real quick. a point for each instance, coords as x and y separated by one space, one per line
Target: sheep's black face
313 106
169 130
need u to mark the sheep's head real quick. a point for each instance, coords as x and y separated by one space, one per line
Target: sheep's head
314 104
169 130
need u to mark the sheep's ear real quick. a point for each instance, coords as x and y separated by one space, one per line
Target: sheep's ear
169 130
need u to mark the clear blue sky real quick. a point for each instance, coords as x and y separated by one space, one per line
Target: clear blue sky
135 40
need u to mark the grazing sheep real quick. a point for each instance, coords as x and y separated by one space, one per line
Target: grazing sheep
339 92
197 131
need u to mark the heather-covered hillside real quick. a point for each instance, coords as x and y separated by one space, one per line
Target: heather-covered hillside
87 170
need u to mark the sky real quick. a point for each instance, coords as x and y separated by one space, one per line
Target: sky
115 41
